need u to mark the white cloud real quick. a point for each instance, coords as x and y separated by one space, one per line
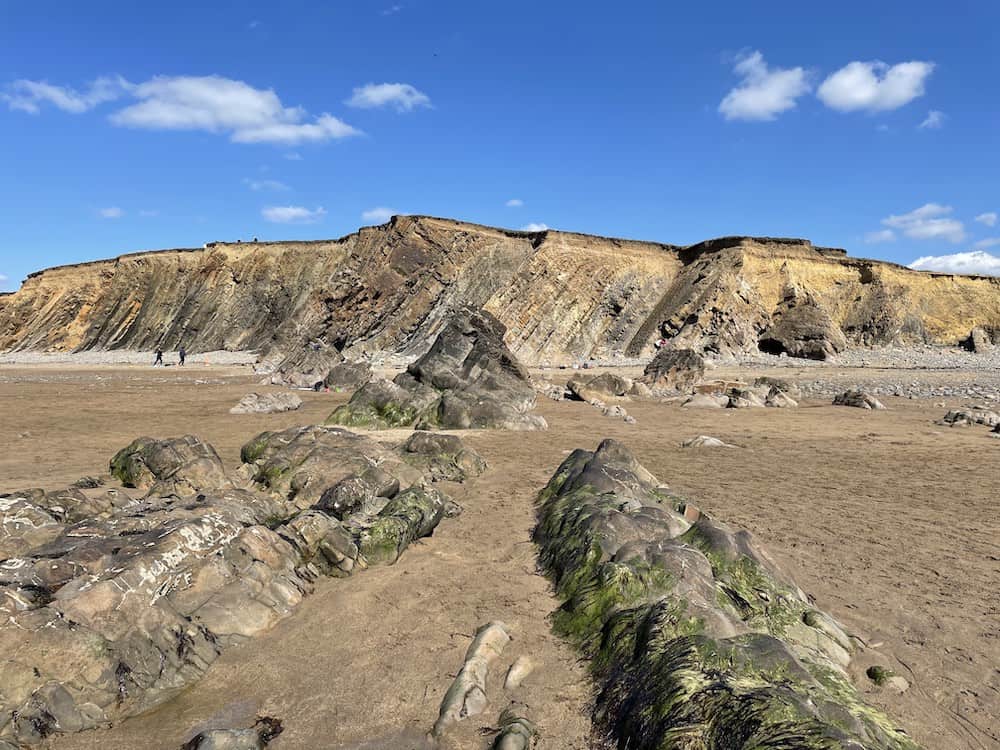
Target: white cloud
111 212
929 222
535 227
28 96
379 214
293 214
882 235
224 105
972 262
882 128
3 279
210 103
514 203
402 96
392 10
874 86
934 120
764 92
293 156
989 218
265 184
988 242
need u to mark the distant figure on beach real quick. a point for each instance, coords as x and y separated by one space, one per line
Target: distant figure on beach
182 354
159 358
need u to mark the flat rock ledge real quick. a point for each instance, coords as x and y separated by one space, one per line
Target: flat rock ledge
697 639
113 600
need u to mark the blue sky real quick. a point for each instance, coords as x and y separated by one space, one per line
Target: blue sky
872 126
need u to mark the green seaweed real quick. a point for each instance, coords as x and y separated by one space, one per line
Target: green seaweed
666 684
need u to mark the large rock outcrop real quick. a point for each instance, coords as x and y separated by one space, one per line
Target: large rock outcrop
801 327
111 603
698 639
468 379
563 297
674 370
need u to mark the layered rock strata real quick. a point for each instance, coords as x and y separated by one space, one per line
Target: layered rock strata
468 379
698 639
563 297
113 600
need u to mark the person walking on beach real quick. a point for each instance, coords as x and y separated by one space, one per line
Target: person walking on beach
159 358
182 354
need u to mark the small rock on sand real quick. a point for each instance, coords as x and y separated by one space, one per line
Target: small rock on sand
266 403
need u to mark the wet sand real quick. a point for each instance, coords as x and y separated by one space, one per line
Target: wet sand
888 520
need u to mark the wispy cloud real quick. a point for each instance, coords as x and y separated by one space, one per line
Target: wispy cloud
293 214
391 10
401 96
882 235
265 184
934 120
874 86
973 262
147 213
111 212
763 92
535 227
207 103
378 215
293 156
929 222
989 218
988 242
30 96
253 24
514 203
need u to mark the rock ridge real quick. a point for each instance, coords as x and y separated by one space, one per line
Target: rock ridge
563 297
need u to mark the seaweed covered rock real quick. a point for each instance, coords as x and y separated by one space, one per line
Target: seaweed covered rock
267 403
442 457
698 639
857 399
304 366
516 731
674 369
301 465
467 379
110 605
410 515
181 465
348 375
801 327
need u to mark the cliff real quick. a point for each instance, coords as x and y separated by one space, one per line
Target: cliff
562 296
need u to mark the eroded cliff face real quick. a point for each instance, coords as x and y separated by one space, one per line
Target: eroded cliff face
562 296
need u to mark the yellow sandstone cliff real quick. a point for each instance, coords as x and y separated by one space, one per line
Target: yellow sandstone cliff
562 296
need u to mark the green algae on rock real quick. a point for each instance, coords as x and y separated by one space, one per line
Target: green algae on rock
697 638
467 379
